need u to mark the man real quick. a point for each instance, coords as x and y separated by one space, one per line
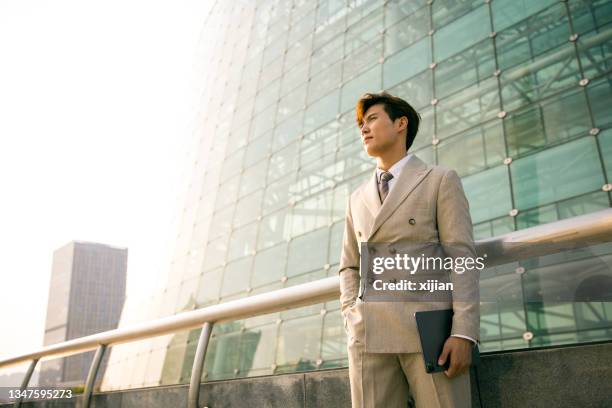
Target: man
409 200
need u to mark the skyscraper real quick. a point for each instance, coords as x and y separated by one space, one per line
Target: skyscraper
86 296
514 94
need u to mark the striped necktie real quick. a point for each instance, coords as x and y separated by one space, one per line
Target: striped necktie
383 185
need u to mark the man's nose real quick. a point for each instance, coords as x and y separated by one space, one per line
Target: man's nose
364 129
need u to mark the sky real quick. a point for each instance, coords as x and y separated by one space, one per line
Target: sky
97 106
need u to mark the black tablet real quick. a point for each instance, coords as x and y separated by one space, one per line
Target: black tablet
434 328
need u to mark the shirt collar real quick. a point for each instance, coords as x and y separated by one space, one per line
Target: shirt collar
396 169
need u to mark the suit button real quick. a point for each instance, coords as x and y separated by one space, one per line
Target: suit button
411 221
392 250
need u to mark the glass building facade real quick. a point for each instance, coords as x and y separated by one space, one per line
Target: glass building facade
515 95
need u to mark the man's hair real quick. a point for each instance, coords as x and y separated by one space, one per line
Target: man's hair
395 107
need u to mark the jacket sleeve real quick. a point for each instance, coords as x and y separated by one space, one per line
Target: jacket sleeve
456 236
349 263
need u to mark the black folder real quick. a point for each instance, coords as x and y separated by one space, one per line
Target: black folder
434 328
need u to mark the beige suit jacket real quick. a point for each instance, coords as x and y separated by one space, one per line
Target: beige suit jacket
426 205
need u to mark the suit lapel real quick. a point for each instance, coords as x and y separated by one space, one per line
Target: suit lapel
369 194
411 175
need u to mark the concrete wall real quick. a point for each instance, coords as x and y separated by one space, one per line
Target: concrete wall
554 378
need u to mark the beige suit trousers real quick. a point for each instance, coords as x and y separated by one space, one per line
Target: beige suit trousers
387 380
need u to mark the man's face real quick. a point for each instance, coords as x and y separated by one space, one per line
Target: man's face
380 134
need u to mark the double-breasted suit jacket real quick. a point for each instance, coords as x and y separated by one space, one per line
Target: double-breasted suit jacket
427 204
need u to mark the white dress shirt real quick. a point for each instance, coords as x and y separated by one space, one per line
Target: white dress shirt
395 170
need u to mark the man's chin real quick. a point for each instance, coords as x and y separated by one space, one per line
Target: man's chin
371 150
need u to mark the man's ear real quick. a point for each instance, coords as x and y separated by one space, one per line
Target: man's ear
403 122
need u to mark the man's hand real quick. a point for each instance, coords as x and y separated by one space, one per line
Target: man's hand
459 351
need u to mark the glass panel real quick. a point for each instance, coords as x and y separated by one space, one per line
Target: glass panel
293 78
274 50
335 246
593 45
308 252
564 209
548 122
396 10
329 15
462 33
270 72
406 63
298 52
283 163
248 208
274 229
316 176
333 348
322 111
253 178
276 196
605 143
257 150
535 178
208 287
266 96
600 98
221 357
324 82
417 91
550 73
291 103
319 143
467 108
327 55
312 213
299 344
242 242
474 65
353 159
446 11
221 224
257 350
215 253
488 193
362 59
364 31
353 89
493 228
233 163
236 276
533 36
264 121
288 130
269 265
509 12
583 205
480 148
298 280
406 32
301 27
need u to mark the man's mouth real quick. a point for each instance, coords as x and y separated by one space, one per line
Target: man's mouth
367 138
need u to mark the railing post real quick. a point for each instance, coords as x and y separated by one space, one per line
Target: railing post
91 376
198 365
26 381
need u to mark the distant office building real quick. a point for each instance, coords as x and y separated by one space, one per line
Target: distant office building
514 95
86 295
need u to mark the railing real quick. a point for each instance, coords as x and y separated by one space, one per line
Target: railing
578 231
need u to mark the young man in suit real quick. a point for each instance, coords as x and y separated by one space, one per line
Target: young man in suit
404 200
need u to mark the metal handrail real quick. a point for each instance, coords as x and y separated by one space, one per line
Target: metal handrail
578 231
